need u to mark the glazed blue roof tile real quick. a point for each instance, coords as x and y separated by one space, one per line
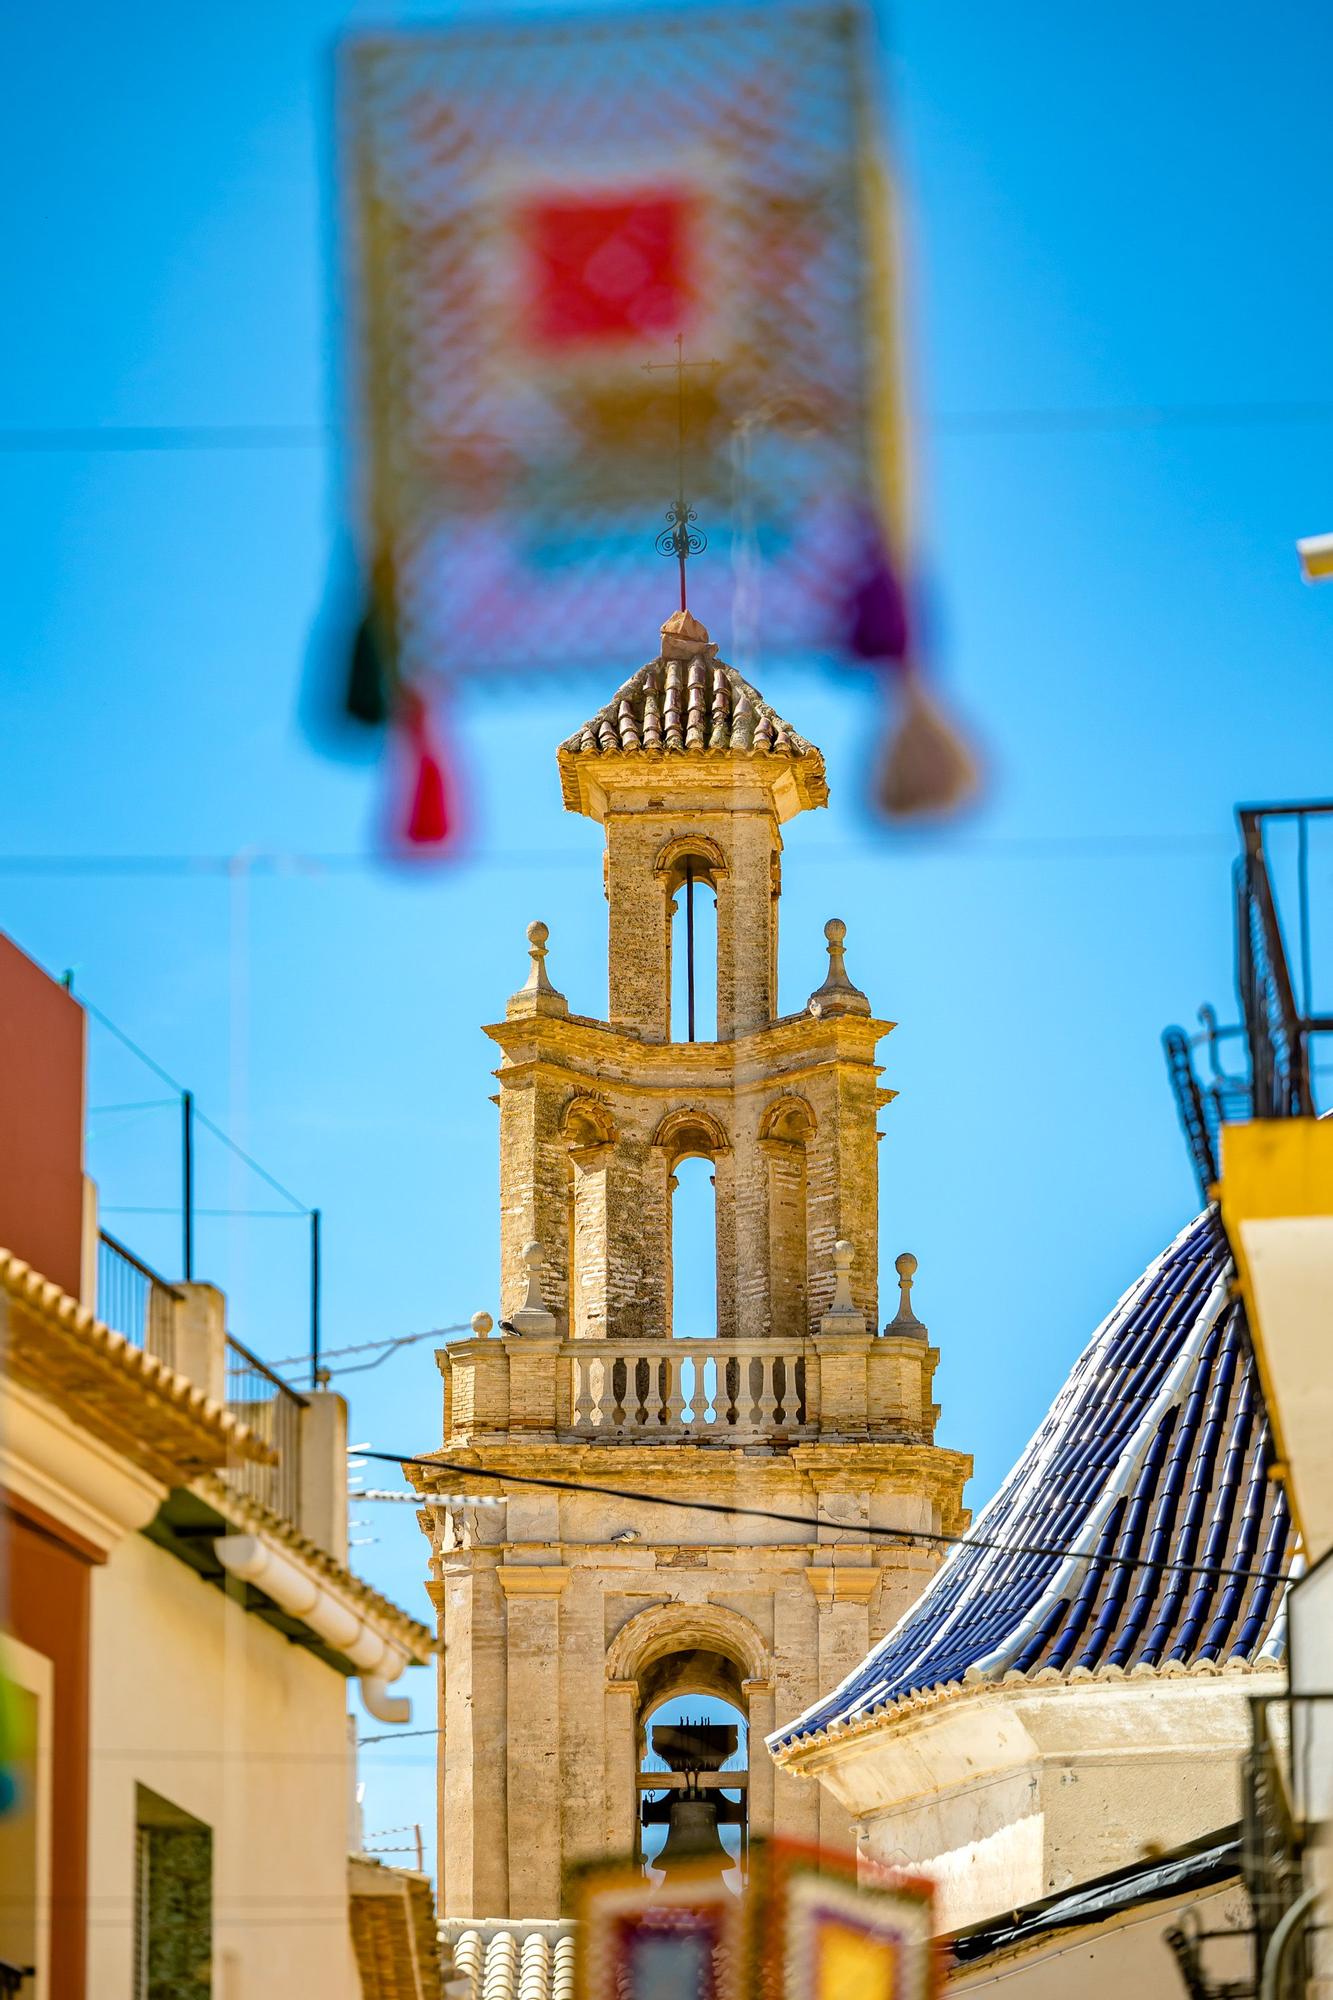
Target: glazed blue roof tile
1152 1467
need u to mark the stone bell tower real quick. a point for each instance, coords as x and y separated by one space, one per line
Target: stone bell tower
569 1615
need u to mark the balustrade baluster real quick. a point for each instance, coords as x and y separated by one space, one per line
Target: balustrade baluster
674 1411
583 1397
707 1377
768 1402
754 1384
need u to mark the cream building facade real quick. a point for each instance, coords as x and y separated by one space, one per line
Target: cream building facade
568 1615
180 1622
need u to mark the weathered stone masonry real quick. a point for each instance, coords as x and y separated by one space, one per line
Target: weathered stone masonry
566 1617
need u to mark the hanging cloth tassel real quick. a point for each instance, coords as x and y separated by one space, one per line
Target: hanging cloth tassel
428 822
926 766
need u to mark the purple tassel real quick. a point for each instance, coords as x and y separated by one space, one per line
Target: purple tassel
877 611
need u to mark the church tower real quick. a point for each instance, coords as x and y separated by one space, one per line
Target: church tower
567 1615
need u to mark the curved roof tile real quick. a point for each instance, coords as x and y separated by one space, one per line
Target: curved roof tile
687 701
1152 1466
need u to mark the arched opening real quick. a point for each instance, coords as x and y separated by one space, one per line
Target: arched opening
693 1774
694 959
691 867
693 1249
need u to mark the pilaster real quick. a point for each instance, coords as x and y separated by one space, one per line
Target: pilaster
532 1666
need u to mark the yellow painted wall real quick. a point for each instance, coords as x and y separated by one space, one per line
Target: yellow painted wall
217 1712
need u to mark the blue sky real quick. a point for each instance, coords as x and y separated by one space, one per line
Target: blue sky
1119 316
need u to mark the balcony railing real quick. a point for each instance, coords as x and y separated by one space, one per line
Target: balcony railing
263 1400
721 1391
134 1301
689 1390
1280 1024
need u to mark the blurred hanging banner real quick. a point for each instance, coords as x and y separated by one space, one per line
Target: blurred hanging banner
538 209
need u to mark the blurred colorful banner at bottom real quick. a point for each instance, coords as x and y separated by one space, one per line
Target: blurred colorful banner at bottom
806 1925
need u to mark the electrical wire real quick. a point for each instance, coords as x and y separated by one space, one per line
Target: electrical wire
200 1117
818 1527
1037 846
1014 422
368 1347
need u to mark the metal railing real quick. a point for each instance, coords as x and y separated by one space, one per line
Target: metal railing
1279 1024
133 1300
675 1389
273 1411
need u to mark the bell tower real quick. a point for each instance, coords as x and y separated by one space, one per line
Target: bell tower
569 1616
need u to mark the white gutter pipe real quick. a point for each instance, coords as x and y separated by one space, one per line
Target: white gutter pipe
253 1560
377 1700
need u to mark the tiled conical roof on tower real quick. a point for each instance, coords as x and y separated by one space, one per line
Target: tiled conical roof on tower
686 702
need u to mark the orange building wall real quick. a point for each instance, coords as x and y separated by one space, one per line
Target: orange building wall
41 1119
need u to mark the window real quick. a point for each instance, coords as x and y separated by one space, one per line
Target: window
173 1902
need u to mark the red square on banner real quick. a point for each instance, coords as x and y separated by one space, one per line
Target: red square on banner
606 269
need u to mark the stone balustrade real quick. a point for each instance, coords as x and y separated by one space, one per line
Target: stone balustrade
690 1391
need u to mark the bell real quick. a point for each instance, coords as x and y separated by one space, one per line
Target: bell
693 1813
692 1836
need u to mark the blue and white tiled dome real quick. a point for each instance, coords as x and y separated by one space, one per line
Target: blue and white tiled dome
1157 1452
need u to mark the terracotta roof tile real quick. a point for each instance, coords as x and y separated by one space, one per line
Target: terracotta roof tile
130 1399
510 1958
687 701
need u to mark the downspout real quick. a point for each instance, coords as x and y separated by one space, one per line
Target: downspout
254 1561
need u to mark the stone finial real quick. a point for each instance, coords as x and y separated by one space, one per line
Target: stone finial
905 1320
481 1325
532 1316
842 1315
837 995
684 638
537 995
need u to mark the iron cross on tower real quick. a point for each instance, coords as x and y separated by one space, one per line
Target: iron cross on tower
681 538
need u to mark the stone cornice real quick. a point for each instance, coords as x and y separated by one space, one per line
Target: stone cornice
154 1418
532 1579
810 1753
574 1046
843 1585
867 1463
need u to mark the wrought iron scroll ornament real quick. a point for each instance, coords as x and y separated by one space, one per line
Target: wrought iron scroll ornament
681 538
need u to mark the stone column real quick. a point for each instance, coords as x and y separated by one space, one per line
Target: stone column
795 1686
745 920
843 1595
639 944
724 1186
532 1593
621 1817
760 1711
589 1278
474 1860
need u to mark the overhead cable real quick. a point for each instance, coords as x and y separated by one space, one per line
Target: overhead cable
817 1527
